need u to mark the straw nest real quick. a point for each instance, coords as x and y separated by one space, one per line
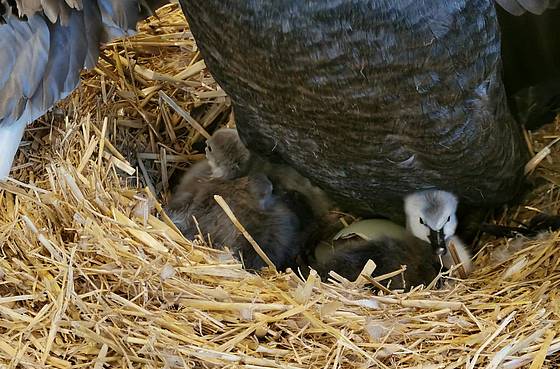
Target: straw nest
92 273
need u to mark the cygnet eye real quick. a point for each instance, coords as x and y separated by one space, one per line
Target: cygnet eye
448 219
209 148
421 221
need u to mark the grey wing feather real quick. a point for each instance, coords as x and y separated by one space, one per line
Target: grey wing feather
75 4
28 7
67 57
42 57
24 56
55 9
93 31
119 17
74 41
42 63
519 7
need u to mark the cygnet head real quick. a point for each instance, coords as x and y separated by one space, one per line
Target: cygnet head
431 216
226 154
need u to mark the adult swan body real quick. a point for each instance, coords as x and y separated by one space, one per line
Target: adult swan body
370 99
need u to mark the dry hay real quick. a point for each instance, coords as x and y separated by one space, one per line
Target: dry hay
93 275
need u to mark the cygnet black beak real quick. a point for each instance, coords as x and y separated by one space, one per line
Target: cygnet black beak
437 240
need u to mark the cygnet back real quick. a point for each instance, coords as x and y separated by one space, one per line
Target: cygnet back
347 257
269 221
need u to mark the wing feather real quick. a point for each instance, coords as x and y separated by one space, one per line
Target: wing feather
42 62
42 57
24 57
520 7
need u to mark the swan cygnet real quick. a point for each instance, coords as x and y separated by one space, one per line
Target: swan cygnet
272 224
229 159
227 155
431 217
387 244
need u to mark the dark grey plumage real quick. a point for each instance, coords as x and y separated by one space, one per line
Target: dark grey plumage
265 216
371 100
347 257
531 60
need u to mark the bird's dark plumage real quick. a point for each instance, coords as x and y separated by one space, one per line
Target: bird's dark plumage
347 257
531 59
267 218
373 99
